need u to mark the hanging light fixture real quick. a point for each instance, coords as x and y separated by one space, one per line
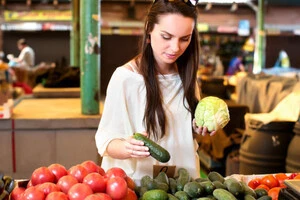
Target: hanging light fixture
233 7
208 6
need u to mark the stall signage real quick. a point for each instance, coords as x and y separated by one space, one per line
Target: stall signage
244 28
38 15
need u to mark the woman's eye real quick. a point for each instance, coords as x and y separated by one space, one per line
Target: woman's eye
166 37
185 39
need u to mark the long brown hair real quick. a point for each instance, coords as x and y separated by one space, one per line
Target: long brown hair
187 65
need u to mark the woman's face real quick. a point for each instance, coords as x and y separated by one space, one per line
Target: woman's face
170 37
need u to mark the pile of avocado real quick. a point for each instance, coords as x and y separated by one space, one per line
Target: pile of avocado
183 187
7 184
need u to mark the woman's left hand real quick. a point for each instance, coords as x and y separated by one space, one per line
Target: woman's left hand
201 130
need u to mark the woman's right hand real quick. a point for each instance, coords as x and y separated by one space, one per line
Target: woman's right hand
136 148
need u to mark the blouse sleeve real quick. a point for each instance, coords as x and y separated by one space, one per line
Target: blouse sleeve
113 120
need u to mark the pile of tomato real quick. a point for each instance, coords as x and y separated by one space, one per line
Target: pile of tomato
85 181
272 183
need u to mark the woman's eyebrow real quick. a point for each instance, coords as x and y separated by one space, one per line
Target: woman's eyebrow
173 35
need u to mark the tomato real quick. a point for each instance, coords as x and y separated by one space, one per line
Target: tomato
78 171
274 192
33 193
96 181
17 193
263 186
90 166
130 182
292 176
93 197
66 182
115 171
281 177
42 175
270 181
131 195
297 176
253 183
29 184
48 188
116 187
101 171
79 191
58 170
57 196
103 196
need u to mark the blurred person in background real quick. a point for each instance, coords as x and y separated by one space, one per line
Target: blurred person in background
236 64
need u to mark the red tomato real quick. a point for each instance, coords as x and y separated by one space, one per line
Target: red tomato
131 195
115 171
66 182
42 175
274 192
263 186
79 191
58 170
116 187
297 176
103 196
17 193
93 197
57 196
253 183
101 171
270 181
78 171
96 182
281 177
130 183
90 166
48 188
292 176
33 193
29 184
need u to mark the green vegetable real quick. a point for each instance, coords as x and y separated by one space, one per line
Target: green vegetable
156 151
212 112
222 194
155 195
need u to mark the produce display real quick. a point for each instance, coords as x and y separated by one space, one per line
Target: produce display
85 181
88 181
184 187
212 112
7 184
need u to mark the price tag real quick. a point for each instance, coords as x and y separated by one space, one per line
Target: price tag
168 169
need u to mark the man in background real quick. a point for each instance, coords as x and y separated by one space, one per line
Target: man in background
26 57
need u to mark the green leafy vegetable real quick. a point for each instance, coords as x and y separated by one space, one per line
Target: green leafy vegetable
212 112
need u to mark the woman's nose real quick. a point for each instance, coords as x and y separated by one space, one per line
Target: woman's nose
175 46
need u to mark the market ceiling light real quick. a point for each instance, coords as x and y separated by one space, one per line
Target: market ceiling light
234 7
208 6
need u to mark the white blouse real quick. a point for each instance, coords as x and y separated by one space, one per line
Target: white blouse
123 115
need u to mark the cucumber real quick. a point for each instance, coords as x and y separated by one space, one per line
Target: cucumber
193 189
172 197
234 186
172 185
260 192
218 184
208 186
183 178
248 190
249 197
221 194
181 195
162 177
215 176
265 197
156 151
156 194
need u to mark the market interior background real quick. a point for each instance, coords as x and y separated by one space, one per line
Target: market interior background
46 125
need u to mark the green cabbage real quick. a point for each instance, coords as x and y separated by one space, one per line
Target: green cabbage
212 112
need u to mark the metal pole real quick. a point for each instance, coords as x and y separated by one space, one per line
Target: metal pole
74 35
89 57
260 39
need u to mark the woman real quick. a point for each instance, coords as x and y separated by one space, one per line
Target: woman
155 94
